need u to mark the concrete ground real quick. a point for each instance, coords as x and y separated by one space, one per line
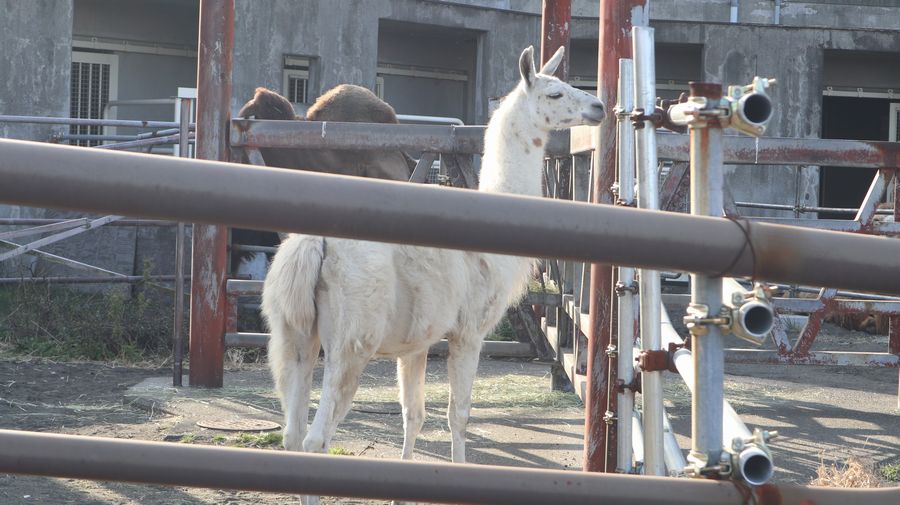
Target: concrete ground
822 413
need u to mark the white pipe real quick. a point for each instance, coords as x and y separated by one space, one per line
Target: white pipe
753 464
734 10
650 291
777 19
637 439
625 298
675 461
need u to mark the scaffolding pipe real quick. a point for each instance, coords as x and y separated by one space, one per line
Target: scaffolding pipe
178 325
264 198
650 289
87 122
296 473
707 182
625 294
637 441
128 279
675 461
753 464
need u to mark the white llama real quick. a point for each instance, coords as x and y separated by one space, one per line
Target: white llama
361 299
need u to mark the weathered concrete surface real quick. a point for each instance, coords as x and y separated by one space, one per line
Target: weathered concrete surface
822 413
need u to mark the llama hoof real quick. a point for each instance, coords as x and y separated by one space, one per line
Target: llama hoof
314 443
292 441
309 500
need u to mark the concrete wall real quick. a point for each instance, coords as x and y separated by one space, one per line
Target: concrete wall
35 63
795 56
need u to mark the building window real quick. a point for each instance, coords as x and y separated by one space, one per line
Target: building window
298 78
94 77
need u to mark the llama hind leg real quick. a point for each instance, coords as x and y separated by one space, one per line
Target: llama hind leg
461 367
292 359
339 384
411 375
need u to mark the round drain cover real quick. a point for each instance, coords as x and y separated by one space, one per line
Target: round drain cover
239 425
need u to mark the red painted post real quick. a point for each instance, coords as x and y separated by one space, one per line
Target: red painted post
556 19
616 19
210 253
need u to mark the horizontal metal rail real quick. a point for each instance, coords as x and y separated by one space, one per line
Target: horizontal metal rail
58 176
790 151
89 122
834 358
144 142
27 221
107 459
805 208
128 279
441 348
370 136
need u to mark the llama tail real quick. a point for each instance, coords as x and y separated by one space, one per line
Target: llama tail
289 291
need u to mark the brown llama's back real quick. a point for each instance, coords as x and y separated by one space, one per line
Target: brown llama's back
351 103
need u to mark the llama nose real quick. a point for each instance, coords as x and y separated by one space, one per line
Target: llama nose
599 109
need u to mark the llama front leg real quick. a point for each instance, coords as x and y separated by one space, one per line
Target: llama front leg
292 359
411 375
461 367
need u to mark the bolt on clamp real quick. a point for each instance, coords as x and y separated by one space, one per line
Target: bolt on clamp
698 319
699 467
609 417
621 288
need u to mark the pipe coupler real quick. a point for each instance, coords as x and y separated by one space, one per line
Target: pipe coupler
750 106
752 314
751 460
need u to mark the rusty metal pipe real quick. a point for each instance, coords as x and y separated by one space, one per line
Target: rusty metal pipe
45 175
108 459
316 474
614 36
209 258
556 20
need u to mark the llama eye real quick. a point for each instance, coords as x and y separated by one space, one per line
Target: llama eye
554 95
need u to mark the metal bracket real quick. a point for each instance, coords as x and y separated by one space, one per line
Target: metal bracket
698 320
621 288
609 417
654 360
634 385
612 351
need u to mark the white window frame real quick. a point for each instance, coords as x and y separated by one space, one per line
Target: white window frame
289 72
103 59
379 87
893 133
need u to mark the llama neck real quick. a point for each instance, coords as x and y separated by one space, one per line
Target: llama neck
513 149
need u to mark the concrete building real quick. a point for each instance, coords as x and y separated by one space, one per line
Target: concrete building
837 63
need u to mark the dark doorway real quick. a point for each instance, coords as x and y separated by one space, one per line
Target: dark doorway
854 119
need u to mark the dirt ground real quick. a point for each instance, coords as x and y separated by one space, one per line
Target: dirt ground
822 413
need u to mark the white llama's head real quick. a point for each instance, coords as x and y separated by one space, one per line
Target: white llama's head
552 102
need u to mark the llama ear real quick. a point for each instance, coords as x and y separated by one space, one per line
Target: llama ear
526 65
553 63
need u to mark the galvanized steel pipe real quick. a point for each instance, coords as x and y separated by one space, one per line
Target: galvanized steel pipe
625 295
707 184
650 289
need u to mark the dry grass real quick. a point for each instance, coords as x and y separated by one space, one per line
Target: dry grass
853 473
